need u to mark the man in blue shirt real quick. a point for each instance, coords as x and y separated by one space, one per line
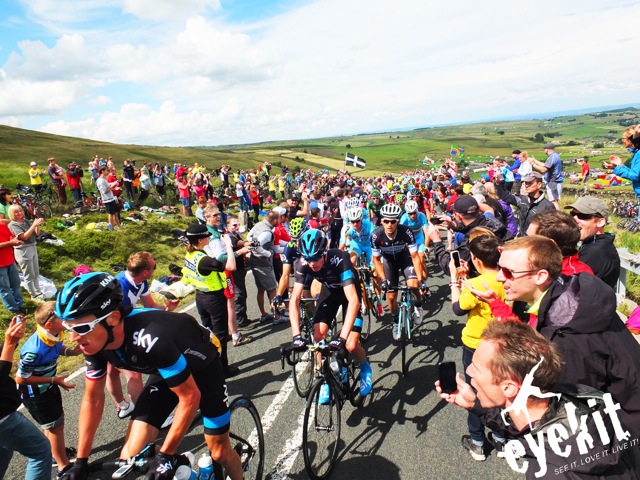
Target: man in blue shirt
552 168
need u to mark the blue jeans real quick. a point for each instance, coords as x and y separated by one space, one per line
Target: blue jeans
18 434
10 288
475 425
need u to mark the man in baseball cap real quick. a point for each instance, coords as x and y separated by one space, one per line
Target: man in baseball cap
35 177
597 250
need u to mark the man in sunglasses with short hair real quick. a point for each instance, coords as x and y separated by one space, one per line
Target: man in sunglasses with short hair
579 315
394 249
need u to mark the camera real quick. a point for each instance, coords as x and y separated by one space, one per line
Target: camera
255 243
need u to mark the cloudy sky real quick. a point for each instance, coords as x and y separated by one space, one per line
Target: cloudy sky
217 72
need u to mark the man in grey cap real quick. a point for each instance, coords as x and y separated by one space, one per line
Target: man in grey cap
597 248
528 205
552 169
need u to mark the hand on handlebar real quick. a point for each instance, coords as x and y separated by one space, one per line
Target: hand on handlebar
384 286
79 470
337 344
164 466
298 343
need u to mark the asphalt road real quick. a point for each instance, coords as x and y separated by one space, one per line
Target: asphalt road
405 431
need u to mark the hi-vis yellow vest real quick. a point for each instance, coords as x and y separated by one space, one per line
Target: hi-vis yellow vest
211 283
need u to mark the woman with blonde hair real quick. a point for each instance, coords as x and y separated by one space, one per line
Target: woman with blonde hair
27 253
630 169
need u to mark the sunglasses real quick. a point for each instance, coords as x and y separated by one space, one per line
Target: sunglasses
83 328
511 275
356 221
413 213
313 259
390 222
582 216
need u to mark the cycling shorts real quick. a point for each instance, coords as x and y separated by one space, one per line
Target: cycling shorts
329 301
359 250
392 268
157 401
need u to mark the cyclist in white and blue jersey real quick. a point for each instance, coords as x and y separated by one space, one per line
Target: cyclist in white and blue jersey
358 235
418 223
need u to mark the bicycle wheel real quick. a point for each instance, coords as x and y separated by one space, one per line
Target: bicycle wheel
320 433
303 373
404 336
355 398
247 437
365 313
42 210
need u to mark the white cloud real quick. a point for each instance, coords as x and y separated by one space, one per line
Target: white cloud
100 100
168 9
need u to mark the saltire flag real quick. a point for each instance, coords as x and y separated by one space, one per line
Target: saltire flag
428 161
354 160
457 151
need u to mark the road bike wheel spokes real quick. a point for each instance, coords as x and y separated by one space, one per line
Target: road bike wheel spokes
403 319
247 437
303 370
321 433
42 210
355 398
366 324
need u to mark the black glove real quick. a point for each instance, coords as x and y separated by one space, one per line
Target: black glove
337 344
384 285
79 470
298 343
277 300
164 466
424 288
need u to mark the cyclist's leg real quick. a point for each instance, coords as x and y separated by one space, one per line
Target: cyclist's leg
391 274
326 311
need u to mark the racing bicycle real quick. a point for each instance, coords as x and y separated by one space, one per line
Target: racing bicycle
247 439
405 319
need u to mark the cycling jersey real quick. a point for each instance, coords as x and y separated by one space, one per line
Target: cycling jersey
38 357
290 253
384 246
415 225
170 347
360 241
132 292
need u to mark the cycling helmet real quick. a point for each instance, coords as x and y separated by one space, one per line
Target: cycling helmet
411 206
354 214
384 191
395 187
391 210
95 293
313 244
352 202
375 193
297 226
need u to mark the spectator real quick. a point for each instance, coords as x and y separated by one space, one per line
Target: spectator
202 203
515 168
552 169
57 180
597 249
109 200
9 276
158 179
35 177
631 141
515 371
26 254
6 198
128 176
579 315
585 171
16 432
240 249
564 231
145 183
39 385
184 189
261 263
254 196
484 255
74 174
528 205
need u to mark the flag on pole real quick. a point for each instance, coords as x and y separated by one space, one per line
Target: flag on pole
354 160
457 151
428 161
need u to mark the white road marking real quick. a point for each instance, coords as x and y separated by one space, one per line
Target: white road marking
287 458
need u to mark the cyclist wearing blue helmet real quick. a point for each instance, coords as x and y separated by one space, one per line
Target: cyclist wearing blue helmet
339 279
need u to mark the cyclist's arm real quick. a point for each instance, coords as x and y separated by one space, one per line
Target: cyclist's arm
377 263
352 310
188 403
294 308
283 284
90 414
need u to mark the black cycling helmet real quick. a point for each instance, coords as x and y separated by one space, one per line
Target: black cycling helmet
313 244
95 293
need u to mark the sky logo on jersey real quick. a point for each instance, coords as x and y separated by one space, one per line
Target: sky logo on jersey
335 261
146 341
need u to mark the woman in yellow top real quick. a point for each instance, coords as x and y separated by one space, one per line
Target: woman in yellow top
485 256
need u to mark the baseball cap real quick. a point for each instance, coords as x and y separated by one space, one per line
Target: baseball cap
590 206
532 176
33 164
550 146
466 204
197 231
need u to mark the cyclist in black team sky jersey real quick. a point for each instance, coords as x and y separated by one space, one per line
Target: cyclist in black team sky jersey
181 358
339 278
394 249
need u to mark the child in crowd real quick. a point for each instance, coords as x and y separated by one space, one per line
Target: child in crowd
38 383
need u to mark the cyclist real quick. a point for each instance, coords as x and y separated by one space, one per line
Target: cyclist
339 281
418 223
180 356
358 235
374 205
394 248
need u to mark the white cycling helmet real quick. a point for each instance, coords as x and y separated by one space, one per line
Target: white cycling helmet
411 206
391 210
354 214
353 202
384 191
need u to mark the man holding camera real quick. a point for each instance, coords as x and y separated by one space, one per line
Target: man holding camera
74 174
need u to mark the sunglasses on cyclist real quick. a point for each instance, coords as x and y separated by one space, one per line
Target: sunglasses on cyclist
313 259
511 275
83 328
390 222
356 221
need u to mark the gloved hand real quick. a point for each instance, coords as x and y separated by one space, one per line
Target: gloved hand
298 342
277 300
424 288
164 466
79 470
384 286
337 344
